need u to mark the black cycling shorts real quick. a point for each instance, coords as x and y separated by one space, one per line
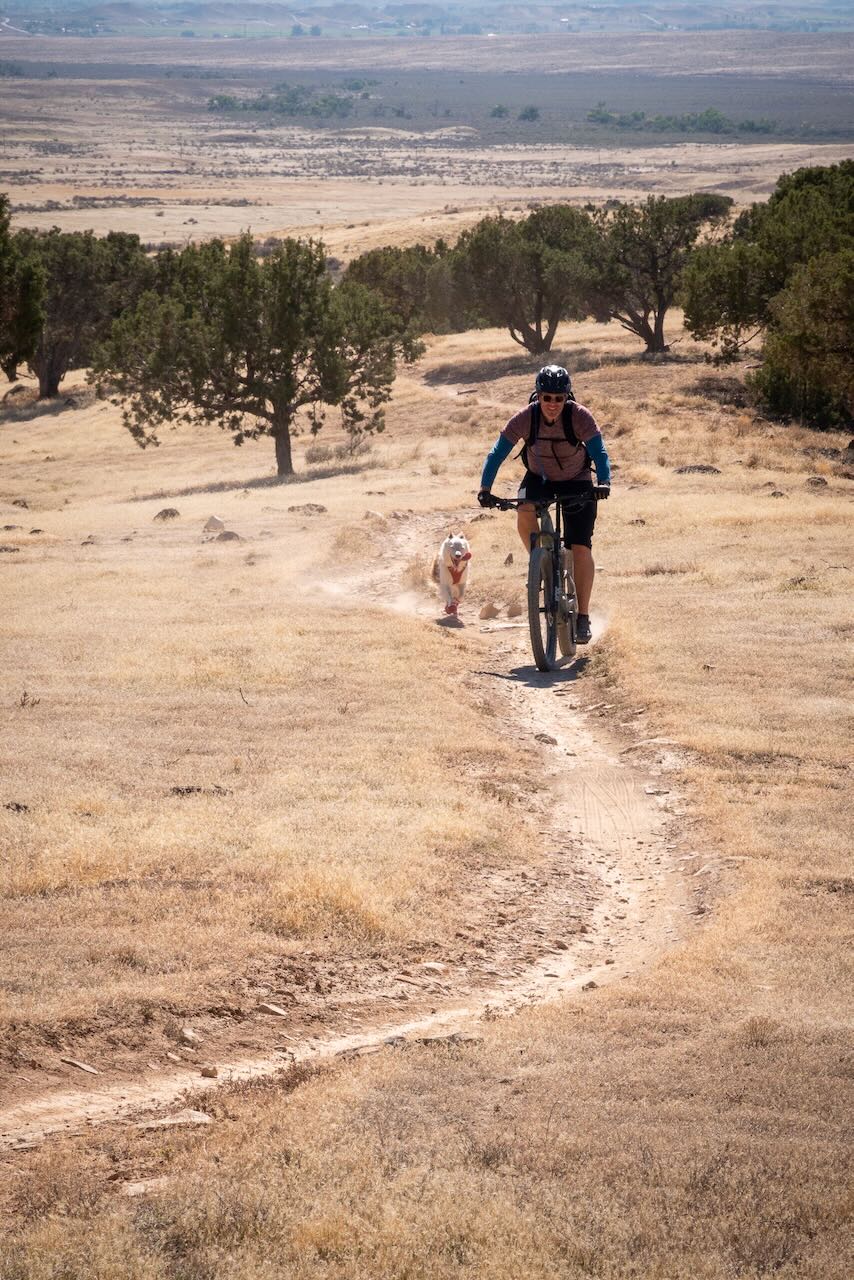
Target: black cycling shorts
577 525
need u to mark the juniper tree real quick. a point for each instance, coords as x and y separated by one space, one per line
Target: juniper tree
245 345
21 292
88 281
529 275
641 254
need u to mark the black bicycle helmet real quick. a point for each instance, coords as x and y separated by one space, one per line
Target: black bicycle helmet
554 378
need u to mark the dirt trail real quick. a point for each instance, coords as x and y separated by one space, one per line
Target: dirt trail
608 893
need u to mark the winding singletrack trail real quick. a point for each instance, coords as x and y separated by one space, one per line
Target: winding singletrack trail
608 894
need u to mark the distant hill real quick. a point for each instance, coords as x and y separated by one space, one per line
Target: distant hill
313 18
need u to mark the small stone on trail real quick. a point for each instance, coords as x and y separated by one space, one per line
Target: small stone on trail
5 547
187 1117
514 609
210 1073
276 1010
16 807
213 524
309 509
589 986
21 502
509 559
173 1057
188 1036
432 966
777 493
488 610
228 535
697 468
167 513
816 482
546 738
81 1066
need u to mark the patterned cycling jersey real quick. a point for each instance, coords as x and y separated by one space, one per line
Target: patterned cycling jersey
552 456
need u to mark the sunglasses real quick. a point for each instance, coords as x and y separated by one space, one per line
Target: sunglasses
547 398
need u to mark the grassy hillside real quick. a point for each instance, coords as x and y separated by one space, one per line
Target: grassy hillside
687 1120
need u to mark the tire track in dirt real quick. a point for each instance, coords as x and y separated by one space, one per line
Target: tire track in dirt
605 898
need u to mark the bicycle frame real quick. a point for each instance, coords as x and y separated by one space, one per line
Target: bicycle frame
552 602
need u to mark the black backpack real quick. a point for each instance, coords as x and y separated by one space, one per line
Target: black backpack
565 420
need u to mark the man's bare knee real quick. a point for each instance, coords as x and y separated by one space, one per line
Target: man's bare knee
526 524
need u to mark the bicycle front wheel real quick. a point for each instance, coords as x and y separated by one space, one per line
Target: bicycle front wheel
567 615
542 611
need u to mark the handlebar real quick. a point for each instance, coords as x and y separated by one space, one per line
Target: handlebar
573 504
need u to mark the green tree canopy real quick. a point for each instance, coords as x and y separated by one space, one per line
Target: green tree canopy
641 254
21 293
400 278
729 287
527 276
808 360
88 282
246 344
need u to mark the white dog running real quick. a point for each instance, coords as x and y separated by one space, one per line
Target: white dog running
450 570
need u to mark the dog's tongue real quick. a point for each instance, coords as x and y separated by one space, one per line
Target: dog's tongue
467 556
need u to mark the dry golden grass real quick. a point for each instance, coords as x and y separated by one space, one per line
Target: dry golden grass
172 661
688 1123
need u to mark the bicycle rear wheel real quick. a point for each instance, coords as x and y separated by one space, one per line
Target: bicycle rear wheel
542 611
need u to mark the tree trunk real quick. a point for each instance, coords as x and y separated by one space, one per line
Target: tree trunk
49 381
532 341
50 370
10 368
282 441
658 343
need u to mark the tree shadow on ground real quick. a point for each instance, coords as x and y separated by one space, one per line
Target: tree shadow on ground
575 359
484 370
259 482
726 390
24 405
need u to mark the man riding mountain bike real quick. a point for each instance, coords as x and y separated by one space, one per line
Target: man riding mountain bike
562 442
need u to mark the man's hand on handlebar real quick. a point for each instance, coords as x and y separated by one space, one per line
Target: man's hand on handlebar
602 491
487 498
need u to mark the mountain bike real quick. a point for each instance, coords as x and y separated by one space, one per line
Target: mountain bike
552 601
